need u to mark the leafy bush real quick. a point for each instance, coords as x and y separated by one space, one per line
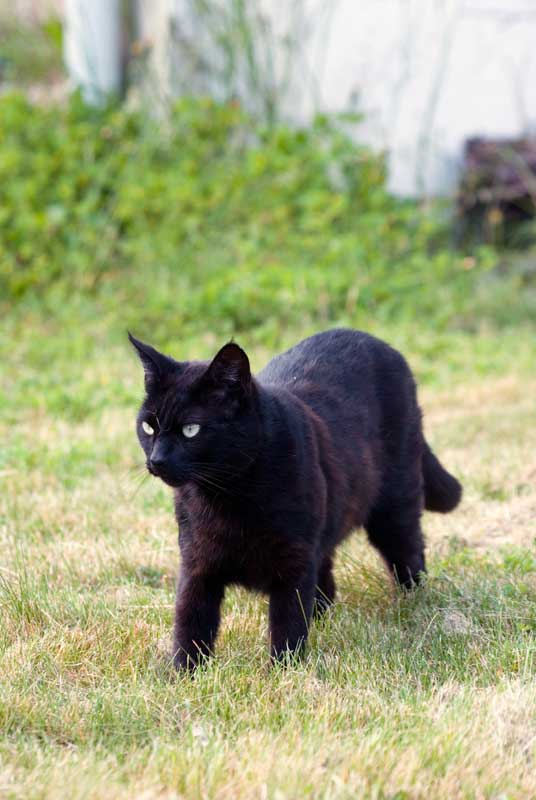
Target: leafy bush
214 219
29 52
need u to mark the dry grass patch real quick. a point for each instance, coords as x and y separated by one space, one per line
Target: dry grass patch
427 696
485 433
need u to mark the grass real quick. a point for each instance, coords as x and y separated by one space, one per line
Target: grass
211 230
430 696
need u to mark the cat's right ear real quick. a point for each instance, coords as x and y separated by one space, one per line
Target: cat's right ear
155 365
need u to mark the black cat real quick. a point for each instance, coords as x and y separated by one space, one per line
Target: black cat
271 472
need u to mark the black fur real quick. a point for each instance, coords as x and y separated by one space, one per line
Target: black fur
326 439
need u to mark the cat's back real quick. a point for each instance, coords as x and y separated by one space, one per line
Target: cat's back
340 355
355 382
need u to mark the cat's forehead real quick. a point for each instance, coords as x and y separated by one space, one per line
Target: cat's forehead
176 393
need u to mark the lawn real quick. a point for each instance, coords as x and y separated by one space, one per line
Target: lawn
427 696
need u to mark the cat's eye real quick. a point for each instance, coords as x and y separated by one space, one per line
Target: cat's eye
191 430
147 428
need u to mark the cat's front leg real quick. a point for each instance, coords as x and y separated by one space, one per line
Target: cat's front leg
291 605
197 618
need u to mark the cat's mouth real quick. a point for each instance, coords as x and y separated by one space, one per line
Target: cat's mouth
173 480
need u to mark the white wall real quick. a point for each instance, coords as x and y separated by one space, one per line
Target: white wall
430 74
427 73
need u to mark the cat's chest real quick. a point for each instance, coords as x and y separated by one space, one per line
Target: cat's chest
254 551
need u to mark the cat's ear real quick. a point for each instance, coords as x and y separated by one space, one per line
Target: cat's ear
230 369
155 365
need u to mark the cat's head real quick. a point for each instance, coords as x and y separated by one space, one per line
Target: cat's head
199 420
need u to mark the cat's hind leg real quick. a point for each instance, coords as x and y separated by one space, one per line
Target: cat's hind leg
325 587
394 528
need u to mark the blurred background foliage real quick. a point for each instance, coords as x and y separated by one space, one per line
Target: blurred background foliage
212 216
211 221
29 53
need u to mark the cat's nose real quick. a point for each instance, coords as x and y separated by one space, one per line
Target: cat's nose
158 456
157 463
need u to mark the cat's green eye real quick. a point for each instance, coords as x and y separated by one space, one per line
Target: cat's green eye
147 428
191 430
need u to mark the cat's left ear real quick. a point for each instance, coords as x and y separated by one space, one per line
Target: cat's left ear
155 365
230 369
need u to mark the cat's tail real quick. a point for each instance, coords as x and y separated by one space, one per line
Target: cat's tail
442 492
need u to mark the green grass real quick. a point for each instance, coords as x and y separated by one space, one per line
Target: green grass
426 696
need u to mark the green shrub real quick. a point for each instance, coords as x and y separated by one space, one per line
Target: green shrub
214 218
29 53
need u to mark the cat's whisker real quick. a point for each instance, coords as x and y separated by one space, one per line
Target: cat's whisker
212 482
136 467
209 482
224 471
141 482
141 472
133 471
132 477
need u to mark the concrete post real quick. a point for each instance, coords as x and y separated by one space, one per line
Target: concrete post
92 47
